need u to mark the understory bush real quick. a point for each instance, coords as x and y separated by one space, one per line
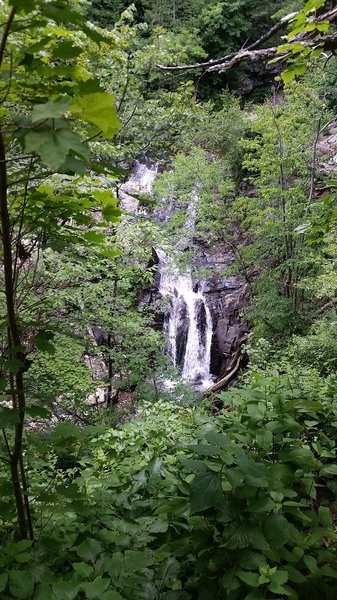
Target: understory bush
179 504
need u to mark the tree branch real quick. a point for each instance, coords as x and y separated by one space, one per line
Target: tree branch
221 65
6 33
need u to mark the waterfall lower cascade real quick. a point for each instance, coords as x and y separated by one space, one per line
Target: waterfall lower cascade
188 325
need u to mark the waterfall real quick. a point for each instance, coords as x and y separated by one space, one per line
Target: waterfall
188 324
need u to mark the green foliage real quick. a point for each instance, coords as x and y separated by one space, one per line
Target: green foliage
164 501
197 185
280 167
221 26
61 381
178 503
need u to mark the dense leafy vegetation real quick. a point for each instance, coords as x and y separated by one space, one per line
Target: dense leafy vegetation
112 486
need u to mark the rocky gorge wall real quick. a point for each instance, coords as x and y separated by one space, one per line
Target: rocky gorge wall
225 295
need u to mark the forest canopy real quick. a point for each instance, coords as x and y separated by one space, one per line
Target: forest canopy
168 300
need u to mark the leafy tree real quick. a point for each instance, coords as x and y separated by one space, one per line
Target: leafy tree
51 106
281 165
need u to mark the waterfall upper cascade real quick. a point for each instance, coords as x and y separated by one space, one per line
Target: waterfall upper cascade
140 182
142 178
188 324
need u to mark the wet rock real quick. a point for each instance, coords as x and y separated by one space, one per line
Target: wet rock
201 321
182 332
101 337
227 296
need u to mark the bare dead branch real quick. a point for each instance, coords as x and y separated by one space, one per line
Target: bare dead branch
251 53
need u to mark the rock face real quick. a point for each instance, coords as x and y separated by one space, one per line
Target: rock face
327 148
250 78
226 296
182 332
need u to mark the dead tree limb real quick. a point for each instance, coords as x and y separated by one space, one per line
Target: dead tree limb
251 53
222 384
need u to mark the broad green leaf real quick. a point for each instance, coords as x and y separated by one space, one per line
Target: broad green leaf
73 165
21 546
53 109
276 588
169 570
301 456
246 536
66 50
230 582
54 145
43 340
311 563
261 505
105 167
12 365
313 5
9 417
206 491
328 572
37 411
21 584
112 595
99 109
193 464
110 253
255 595
277 529
328 470
65 590
294 575
288 75
251 560
96 588
325 516
279 577
248 577
94 237
89 549
110 210
205 449
3 582
217 439
111 213
43 592
23 5
23 557
115 565
60 13
83 569
135 560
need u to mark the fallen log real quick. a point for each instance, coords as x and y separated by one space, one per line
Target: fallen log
223 383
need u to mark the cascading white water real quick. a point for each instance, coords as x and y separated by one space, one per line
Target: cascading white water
140 182
142 178
189 324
